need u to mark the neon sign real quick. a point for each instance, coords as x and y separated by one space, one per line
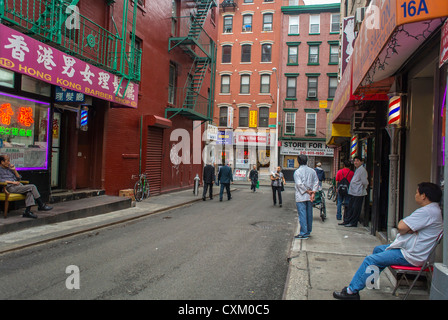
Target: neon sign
25 115
6 113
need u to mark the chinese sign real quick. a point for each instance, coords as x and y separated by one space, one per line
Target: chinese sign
26 55
253 118
444 45
67 95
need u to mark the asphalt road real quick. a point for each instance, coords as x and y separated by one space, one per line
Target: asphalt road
208 250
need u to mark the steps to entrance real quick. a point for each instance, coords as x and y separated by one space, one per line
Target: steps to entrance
66 206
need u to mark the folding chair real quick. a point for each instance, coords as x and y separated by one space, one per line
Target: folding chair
427 268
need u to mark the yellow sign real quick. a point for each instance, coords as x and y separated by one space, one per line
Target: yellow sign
409 11
253 118
273 115
323 104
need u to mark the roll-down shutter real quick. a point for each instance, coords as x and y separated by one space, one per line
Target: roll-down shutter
154 159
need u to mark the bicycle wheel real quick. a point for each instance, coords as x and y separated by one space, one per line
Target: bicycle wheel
330 192
138 191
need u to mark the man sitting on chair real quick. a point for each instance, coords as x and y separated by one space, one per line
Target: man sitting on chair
9 174
417 235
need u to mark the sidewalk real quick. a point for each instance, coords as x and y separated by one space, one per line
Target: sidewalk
326 262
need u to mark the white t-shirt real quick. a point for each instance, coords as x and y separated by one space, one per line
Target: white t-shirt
427 224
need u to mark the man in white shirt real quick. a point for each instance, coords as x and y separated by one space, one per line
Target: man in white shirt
418 233
306 185
357 192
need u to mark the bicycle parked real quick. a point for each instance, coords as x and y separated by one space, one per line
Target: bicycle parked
332 194
141 187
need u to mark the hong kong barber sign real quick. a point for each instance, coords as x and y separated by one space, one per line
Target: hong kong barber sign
444 45
29 56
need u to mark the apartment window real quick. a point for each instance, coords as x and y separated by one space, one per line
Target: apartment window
174 16
334 54
313 56
243 120
248 1
223 112
263 119
228 24
265 83
172 84
293 2
293 55
314 23
335 21
267 21
268 0
290 122
332 85
246 52
312 88
225 84
291 87
226 54
245 84
247 23
293 25
266 50
311 123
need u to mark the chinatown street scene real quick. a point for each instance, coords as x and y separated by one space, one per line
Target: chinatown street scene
232 158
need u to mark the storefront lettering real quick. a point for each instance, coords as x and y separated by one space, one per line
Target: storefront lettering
34 73
68 84
16 132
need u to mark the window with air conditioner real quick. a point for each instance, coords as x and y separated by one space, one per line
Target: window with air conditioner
312 87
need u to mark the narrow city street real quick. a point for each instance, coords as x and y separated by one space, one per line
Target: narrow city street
233 249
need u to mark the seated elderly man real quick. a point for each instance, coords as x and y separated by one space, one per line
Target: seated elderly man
9 174
417 235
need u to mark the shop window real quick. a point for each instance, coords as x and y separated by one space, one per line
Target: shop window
6 78
36 86
24 131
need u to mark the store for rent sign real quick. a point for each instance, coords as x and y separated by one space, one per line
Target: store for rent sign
308 148
26 55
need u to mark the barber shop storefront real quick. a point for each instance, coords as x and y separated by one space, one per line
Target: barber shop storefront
52 110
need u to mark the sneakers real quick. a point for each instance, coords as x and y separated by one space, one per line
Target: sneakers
299 236
344 295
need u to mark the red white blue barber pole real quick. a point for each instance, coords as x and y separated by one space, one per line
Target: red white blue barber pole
394 110
354 146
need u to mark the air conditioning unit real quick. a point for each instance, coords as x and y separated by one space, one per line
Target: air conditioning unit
312 94
362 121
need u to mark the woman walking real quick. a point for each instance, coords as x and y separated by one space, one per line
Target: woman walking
278 180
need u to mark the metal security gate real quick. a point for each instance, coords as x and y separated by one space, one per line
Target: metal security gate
154 159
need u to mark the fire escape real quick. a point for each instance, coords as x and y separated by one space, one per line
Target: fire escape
49 21
193 40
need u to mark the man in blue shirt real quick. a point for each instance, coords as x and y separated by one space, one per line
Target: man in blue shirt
225 177
9 174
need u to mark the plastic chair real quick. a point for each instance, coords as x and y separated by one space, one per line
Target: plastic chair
426 268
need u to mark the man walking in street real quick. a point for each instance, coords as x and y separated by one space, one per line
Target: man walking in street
9 174
208 177
357 192
253 177
343 178
418 233
225 177
306 185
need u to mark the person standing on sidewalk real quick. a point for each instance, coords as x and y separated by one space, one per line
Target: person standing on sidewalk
417 235
277 183
208 177
9 174
225 177
343 178
306 185
253 177
357 192
320 173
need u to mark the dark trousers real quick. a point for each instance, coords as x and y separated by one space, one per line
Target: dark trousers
354 210
275 191
210 187
221 191
253 185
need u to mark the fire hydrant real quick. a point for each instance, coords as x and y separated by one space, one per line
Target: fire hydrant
196 185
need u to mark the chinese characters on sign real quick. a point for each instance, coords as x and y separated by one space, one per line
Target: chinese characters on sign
26 55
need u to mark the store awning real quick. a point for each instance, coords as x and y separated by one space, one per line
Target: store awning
391 32
157 121
337 133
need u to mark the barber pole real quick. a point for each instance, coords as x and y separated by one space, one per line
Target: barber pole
354 146
394 110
